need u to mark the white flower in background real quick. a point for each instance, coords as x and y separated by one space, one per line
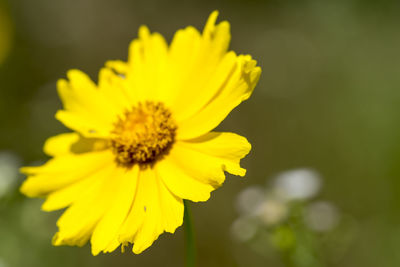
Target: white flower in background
257 202
9 164
272 211
271 214
321 216
244 228
299 184
249 200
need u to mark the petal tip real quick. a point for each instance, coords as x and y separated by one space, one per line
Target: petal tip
23 189
74 73
144 32
95 251
210 24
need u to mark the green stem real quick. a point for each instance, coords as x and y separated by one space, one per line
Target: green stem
189 237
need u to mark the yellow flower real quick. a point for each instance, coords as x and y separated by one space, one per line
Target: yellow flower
142 141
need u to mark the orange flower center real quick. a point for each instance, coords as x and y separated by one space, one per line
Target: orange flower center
143 134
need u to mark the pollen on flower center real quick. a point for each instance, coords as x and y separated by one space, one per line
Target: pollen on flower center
143 133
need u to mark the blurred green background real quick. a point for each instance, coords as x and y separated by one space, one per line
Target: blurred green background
328 99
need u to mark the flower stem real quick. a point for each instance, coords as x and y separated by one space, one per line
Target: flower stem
189 237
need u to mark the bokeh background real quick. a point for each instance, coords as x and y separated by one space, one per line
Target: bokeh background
328 99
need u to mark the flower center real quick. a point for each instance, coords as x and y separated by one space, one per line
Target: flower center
143 133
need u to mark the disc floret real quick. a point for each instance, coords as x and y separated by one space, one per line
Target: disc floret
143 133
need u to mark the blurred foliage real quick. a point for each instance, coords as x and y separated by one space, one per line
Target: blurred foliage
5 34
328 99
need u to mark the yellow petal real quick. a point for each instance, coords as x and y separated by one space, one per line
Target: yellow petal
78 221
210 24
181 182
217 37
114 87
61 171
65 196
106 231
60 144
67 143
146 65
193 60
83 124
118 66
211 87
154 211
225 149
194 168
183 57
86 109
237 89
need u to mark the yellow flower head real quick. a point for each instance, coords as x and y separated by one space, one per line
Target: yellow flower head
142 139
